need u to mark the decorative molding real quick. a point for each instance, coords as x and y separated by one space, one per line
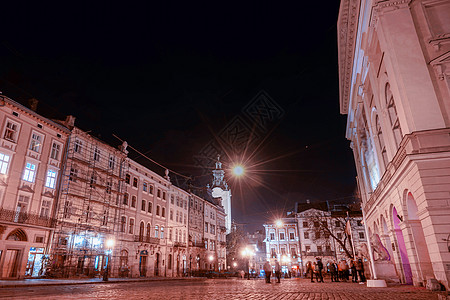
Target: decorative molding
441 65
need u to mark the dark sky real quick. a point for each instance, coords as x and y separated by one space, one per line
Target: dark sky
172 78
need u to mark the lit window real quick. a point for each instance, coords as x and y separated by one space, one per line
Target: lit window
50 181
30 172
162 232
144 186
4 163
156 231
56 148
35 143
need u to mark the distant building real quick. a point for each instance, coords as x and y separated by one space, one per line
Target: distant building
394 74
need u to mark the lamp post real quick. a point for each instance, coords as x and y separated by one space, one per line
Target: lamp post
109 246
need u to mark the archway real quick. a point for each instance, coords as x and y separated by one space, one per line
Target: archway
422 262
401 247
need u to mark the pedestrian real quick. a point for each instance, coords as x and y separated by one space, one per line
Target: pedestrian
333 271
353 270
341 269
360 270
319 269
267 271
310 270
277 271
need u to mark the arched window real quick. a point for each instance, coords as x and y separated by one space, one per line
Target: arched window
141 231
381 143
17 235
162 232
393 117
156 231
148 231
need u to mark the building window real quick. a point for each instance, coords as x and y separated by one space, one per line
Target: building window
22 205
78 146
148 232
281 235
164 196
305 224
213 229
306 235
156 231
10 131
131 226
361 235
30 172
157 210
93 181
206 227
125 198
50 181
4 163
328 249
135 182
163 212
96 154
291 235
273 253
108 187
171 215
144 186
133 201
150 189
293 253
56 149
112 162
36 142
308 248
45 208
73 174
393 117
158 194
162 232
67 209
149 207
272 236
171 199
319 249
123 223
143 205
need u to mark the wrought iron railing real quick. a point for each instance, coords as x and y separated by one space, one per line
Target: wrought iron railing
26 218
146 239
321 253
179 244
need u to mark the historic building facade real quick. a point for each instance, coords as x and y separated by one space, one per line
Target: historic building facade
394 68
31 161
72 205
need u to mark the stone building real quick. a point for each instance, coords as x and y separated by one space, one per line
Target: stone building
394 75
31 161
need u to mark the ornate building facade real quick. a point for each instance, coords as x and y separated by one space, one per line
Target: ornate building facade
394 68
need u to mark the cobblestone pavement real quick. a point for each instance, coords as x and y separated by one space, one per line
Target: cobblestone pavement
219 289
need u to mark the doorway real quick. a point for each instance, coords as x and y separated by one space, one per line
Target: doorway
11 264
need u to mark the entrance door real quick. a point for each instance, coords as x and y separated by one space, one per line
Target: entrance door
157 264
143 266
11 263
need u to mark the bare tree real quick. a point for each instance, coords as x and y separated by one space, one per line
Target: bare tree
324 226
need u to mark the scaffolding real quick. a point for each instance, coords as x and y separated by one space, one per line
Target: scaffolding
89 207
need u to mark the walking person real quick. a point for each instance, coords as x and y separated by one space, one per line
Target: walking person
310 270
319 269
333 272
341 269
267 271
277 271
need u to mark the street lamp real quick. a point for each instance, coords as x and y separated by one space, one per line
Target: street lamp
238 170
279 223
109 246
247 253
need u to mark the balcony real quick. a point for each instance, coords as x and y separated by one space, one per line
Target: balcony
26 218
179 244
321 253
146 239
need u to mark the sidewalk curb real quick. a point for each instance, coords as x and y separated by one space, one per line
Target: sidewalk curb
49 283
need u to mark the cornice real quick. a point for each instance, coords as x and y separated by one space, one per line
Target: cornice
347 29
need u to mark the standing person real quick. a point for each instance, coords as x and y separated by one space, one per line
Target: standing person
353 270
333 271
310 270
346 270
360 270
319 264
341 269
267 271
277 271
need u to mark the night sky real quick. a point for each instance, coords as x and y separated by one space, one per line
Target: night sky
171 78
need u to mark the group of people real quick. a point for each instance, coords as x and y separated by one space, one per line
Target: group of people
338 271
268 271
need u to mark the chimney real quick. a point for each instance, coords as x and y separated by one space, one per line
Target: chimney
33 103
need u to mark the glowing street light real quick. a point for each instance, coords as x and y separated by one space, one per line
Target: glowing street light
248 254
279 223
238 170
109 245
